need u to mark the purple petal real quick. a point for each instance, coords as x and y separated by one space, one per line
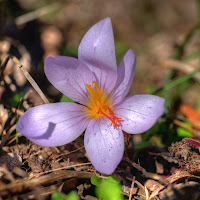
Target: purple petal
125 75
104 145
97 50
53 124
97 46
69 76
140 112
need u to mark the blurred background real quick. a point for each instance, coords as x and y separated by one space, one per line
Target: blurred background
152 28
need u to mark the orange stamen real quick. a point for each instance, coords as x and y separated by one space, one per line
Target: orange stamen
99 106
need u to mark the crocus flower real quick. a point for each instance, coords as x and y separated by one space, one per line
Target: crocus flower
103 110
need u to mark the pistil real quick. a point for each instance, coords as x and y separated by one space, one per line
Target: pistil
115 120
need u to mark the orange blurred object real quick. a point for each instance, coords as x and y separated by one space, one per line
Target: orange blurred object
190 113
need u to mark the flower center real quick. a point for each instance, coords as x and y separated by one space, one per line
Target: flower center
99 107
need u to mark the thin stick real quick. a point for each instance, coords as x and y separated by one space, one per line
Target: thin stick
36 13
30 79
132 185
184 67
24 184
3 66
5 138
147 193
194 132
145 173
61 168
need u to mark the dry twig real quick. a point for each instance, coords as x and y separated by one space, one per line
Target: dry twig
26 74
184 67
24 184
145 173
